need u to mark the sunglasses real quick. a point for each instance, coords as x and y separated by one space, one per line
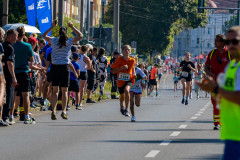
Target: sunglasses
233 41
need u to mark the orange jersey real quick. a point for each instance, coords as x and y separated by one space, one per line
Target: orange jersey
121 62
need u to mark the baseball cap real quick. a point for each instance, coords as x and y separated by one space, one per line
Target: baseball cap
73 48
75 56
116 52
32 40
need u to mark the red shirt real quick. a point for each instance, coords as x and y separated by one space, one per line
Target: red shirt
215 66
153 73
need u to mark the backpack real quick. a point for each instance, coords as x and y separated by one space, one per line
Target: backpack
213 51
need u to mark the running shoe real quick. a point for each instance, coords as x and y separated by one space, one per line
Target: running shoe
64 115
28 121
122 110
99 99
149 93
126 113
216 127
32 105
53 116
186 102
41 101
68 108
3 123
156 94
183 101
11 121
73 101
15 114
190 96
89 100
79 108
114 97
133 119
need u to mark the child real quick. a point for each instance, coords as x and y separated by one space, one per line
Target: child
175 79
198 78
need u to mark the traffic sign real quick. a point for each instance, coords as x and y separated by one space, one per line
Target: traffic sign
133 52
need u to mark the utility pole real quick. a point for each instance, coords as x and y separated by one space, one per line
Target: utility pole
60 13
199 41
88 19
54 3
102 11
81 15
116 25
5 12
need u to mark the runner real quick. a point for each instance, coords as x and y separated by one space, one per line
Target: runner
85 64
216 62
61 64
175 80
159 71
153 81
91 74
124 67
114 77
198 78
136 90
228 88
187 67
102 64
74 85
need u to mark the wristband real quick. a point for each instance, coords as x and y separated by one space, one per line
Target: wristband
215 90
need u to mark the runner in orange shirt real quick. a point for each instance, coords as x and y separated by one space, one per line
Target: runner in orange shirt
124 67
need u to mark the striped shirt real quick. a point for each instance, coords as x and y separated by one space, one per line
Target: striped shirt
61 56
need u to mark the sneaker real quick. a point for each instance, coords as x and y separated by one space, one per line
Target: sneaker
114 97
99 99
149 93
41 101
133 119
11 121
15 114
28 121
73 101
126 113
190 96
183 101
53 116
186 102
68 108
64 115
89 100
3 123
79 108
32 105
156 94
122 110
216 127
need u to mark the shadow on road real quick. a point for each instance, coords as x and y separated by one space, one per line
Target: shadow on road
207 157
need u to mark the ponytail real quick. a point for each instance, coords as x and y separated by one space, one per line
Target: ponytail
62 37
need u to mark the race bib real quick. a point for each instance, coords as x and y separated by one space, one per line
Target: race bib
184 74
136 86
124 77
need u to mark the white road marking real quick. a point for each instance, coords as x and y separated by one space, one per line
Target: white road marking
175 134
183 126
200 112
202 109
152 153
193 117
197 114
165 143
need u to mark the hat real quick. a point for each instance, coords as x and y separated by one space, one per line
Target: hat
89 46
32 40
75 56
73 49
155 64
116 52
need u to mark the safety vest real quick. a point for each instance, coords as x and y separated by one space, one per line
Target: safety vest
229 111
213 51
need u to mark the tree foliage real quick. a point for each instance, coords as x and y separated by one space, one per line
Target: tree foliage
154 23
228 24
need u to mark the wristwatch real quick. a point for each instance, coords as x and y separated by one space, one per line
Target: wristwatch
215 90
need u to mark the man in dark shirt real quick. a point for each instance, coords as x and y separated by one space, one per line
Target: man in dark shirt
114 77
9 73
91 75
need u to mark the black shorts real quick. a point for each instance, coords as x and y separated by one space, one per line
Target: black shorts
60 75
90 80
121 89
188 79
49 77
74 86
23 80
83 76
153 82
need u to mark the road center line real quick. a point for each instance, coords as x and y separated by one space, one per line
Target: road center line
165 142
193 117
152 153
183 126
175 134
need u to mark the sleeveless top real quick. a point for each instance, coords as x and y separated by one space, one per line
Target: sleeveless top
82 63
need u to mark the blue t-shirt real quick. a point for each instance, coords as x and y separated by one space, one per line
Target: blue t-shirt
175 79
44 50
23 51
48 51
76 66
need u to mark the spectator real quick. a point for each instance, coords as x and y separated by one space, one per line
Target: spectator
114 77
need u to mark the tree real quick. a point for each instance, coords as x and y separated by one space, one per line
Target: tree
228 24
154 23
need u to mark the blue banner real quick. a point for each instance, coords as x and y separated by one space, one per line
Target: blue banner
31 11
44 15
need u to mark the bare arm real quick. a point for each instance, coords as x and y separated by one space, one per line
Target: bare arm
207 70
2 88
11 70
45 34
73 70
75 30
88 63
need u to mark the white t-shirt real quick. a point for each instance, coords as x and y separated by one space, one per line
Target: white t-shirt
137 87
159 71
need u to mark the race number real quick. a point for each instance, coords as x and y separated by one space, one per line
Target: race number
124 77
184 74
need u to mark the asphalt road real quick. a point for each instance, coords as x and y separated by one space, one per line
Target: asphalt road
165 129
